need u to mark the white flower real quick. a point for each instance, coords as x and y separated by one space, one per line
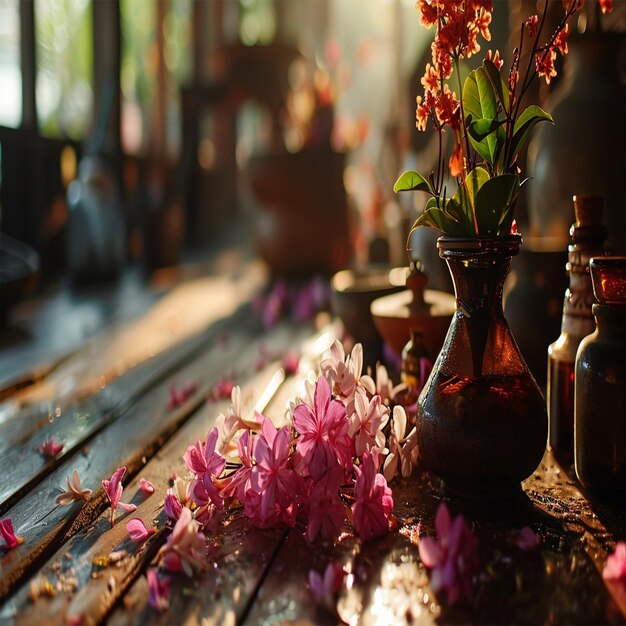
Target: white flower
367 423
403 449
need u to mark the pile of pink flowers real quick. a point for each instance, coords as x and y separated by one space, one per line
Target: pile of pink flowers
323 466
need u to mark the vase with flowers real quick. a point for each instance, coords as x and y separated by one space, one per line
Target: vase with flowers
482 420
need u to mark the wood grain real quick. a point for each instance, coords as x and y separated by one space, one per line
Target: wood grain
92 597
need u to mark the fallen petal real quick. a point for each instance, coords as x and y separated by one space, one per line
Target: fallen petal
146 486
526 539
138 531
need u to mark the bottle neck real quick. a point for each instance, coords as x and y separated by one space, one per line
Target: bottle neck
611 320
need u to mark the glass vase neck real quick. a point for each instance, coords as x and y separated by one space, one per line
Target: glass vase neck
479 267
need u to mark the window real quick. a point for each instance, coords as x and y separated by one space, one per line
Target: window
64 54
10 71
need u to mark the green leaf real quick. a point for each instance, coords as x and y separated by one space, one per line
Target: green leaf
412 181
494 201
479 129
479 103
497 82
438 219
466 193
529 118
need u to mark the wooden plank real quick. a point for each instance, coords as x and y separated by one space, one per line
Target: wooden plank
241 555
23 466
388 583
129 441
188 309
96 595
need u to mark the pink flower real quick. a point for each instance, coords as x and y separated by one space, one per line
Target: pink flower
326 511
453 557
175 498
345 373
532 24
113 488
290 363
50 448
222 389
615 568
230 424
279 488
403 447
185 550
325 589
178 397
146 486
373 499
74 491
323 430
239 483
158 589
172 505
7 533
526 539
367 423
138 531
206 464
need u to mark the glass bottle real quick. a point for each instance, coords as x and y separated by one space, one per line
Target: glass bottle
416 364
600 391
588 235
482 422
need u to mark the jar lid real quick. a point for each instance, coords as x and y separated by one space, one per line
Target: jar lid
608 275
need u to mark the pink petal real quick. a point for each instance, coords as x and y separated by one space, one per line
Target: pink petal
443 523
8 534
137 530
146 486
172 506
127 507
159 589
526 539
291 362
615 568
430 552
321 397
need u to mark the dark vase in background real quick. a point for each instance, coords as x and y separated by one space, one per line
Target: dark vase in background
585 151
302 217
482 422
600 391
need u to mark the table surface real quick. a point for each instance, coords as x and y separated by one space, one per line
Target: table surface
106 399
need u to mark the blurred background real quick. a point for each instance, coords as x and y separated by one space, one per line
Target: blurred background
139 133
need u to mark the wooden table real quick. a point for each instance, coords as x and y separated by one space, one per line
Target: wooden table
107 401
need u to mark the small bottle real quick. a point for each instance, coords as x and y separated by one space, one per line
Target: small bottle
600 390
416 363
588 235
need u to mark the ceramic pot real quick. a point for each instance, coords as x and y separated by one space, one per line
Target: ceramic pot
482 422
302 217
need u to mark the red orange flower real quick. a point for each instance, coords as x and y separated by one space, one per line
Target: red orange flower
545 64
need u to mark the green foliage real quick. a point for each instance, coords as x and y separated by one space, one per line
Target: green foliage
529 118
480 107
500 87
412 181
484 202
494 202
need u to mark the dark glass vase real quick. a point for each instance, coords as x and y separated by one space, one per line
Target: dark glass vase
482 422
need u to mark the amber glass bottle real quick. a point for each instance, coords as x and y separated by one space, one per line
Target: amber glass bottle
588 235
600 392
